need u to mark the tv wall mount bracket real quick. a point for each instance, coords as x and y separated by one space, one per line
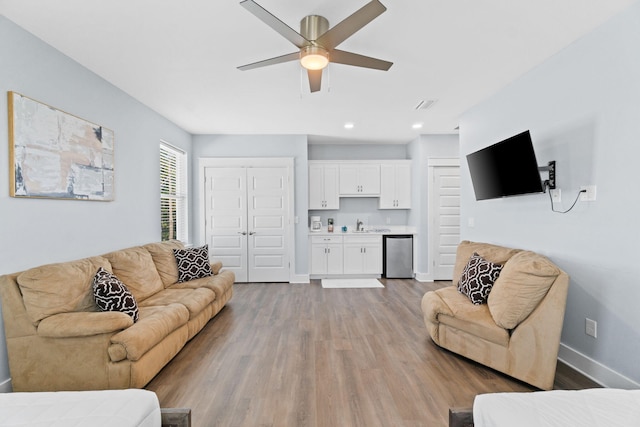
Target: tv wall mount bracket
551 182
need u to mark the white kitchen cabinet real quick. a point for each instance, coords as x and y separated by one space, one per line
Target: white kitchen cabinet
323 186
395 186
326 255
362 254
360 179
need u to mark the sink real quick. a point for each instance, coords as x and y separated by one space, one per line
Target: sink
359 231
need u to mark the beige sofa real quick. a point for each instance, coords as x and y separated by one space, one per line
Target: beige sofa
58 339
517 331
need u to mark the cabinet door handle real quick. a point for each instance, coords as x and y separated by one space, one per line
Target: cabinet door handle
244 233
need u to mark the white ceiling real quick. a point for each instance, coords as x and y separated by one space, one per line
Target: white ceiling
180 58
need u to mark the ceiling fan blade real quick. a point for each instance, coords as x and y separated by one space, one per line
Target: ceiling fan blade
315 79
350 25
277 60
349 58
265 16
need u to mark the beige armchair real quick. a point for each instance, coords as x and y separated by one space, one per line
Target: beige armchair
517 331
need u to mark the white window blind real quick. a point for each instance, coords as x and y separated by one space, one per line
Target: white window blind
173 193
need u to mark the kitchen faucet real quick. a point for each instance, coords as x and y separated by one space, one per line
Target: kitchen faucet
358 225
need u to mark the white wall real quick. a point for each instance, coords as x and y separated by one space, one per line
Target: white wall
294 146
35 232
583 108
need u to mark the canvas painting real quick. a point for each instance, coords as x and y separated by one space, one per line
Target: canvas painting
54 154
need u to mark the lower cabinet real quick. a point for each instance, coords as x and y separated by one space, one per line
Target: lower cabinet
347 254
362 254
326 255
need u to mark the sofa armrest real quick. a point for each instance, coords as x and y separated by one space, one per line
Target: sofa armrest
216 266
82 324
534 342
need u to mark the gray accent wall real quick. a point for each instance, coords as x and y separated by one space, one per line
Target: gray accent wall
294 146
420 151
583 109
34 231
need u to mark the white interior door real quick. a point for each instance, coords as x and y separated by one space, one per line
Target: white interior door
446 225
226 218
268 219
247 221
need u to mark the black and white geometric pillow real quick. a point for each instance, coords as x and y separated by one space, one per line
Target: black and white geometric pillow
112 295
478 278
193 263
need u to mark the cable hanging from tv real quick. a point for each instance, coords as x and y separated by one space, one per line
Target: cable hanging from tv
550 184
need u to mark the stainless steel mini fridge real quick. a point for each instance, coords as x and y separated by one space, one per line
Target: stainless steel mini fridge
397 251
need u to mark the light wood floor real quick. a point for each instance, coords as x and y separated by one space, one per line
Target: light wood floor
284 354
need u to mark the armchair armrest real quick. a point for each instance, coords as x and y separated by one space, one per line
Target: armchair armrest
82 324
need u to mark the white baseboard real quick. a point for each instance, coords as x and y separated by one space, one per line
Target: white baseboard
299 278
5 386
424 277
595 370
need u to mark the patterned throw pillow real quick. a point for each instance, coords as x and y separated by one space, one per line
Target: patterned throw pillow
112 295
193 263
477 278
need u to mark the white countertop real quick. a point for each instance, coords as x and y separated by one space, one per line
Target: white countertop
371 230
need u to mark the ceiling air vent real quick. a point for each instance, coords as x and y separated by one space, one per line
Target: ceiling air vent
425 104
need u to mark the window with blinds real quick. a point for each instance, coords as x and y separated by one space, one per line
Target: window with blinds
173 193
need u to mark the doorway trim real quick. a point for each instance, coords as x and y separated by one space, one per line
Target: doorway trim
252 162
433 163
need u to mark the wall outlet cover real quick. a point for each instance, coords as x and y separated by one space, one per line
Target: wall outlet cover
590 195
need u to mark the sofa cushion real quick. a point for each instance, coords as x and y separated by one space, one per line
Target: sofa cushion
523 282
165 260
155 324
220 283
195 300
477 278
473 319
493 253
193 263
60 288
112 295
135 267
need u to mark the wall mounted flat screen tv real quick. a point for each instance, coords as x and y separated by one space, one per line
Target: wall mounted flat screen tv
507 168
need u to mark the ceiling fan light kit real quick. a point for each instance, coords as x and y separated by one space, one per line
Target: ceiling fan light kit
314 58
317 42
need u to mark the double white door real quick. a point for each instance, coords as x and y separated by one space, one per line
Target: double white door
247 221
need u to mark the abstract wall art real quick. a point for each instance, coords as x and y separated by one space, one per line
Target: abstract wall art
53 154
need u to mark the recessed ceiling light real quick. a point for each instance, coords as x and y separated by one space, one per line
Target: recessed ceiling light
417 126
349 125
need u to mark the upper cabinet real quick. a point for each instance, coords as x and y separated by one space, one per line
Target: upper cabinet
388 180
395 185
360 179
323 186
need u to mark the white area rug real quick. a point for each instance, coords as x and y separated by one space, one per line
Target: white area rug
351 283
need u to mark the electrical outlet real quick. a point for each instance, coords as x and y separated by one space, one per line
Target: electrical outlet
471 222
556 195
589 195
591 327
388 220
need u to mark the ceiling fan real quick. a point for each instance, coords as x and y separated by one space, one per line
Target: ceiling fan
317 43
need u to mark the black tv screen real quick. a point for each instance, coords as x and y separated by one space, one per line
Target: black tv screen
508 168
